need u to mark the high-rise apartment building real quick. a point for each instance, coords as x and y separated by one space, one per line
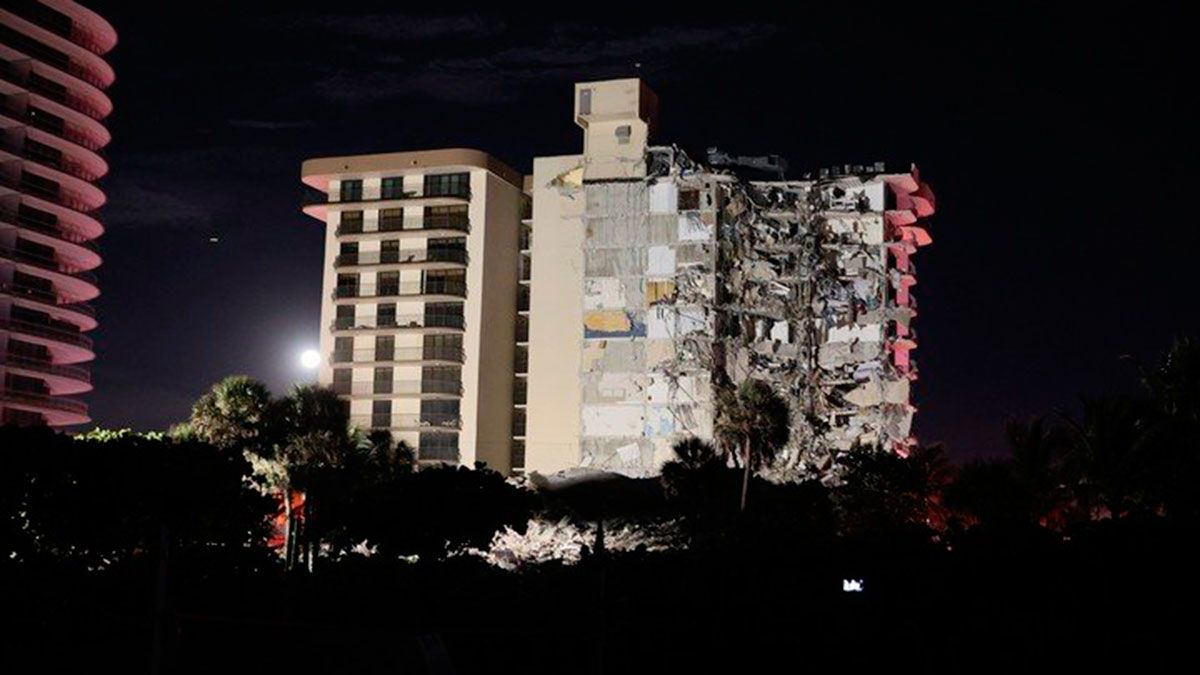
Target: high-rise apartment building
52 107
647 281
419 312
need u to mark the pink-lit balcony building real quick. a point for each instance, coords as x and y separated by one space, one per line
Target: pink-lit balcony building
52 109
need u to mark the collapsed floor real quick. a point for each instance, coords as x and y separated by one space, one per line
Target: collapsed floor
697 279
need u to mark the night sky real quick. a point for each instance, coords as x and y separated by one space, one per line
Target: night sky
1062 147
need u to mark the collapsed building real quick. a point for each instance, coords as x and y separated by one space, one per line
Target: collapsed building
588 315
690 278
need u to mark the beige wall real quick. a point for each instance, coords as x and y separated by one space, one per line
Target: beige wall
491 321
555 317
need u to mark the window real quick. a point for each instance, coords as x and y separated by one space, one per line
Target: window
388 284
348 252
438 446
385 348
347 286
391 220
342 378
443 347
446 217
389 251
585 101
352 221
444 314
450 282
381 414
386 314
448 185
343 349
439 412
383 380
441 380
345 316
351 191
623 133
391 188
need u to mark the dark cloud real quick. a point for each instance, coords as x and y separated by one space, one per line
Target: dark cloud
133 203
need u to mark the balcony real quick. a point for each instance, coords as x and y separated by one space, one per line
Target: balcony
399 355
403 257
50 228
63 196
47 401
36 365
64 129
97 40
523 299
57 331
449 289
520 391
97 107
51 263
401 226
61 52
44 296
409 421
399 388
400 323
56 161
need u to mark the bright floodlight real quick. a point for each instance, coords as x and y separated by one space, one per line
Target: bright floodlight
310 359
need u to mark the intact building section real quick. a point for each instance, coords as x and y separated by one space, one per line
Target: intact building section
53 79
420 290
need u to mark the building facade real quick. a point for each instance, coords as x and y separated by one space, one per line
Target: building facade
53 79
420 297
646 281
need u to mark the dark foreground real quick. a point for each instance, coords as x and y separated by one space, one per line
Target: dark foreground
1117 592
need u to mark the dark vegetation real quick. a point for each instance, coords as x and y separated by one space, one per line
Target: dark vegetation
228 544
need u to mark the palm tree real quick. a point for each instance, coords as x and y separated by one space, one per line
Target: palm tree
754 419
234 414
316 438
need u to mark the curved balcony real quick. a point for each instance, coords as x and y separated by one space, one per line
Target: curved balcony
60 51
410 422
71 92
400 228
400 389
400 355
80 201
64 271
416 290
57 411
60 161
87 28
418 323
73 258
72 126
61 379
56 330
434 258
67 225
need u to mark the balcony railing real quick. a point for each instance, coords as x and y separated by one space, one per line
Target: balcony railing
45 262
44 401
456 289
44 296
66 131
72 372
54 331
60 195
315 198
456 223
11 73
399 387
411 421
48 227
401 321
450 255
59 162
413 354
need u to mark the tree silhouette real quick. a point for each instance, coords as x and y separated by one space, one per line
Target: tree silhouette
752 419
234 414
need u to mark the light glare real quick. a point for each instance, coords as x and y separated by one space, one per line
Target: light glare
310 359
